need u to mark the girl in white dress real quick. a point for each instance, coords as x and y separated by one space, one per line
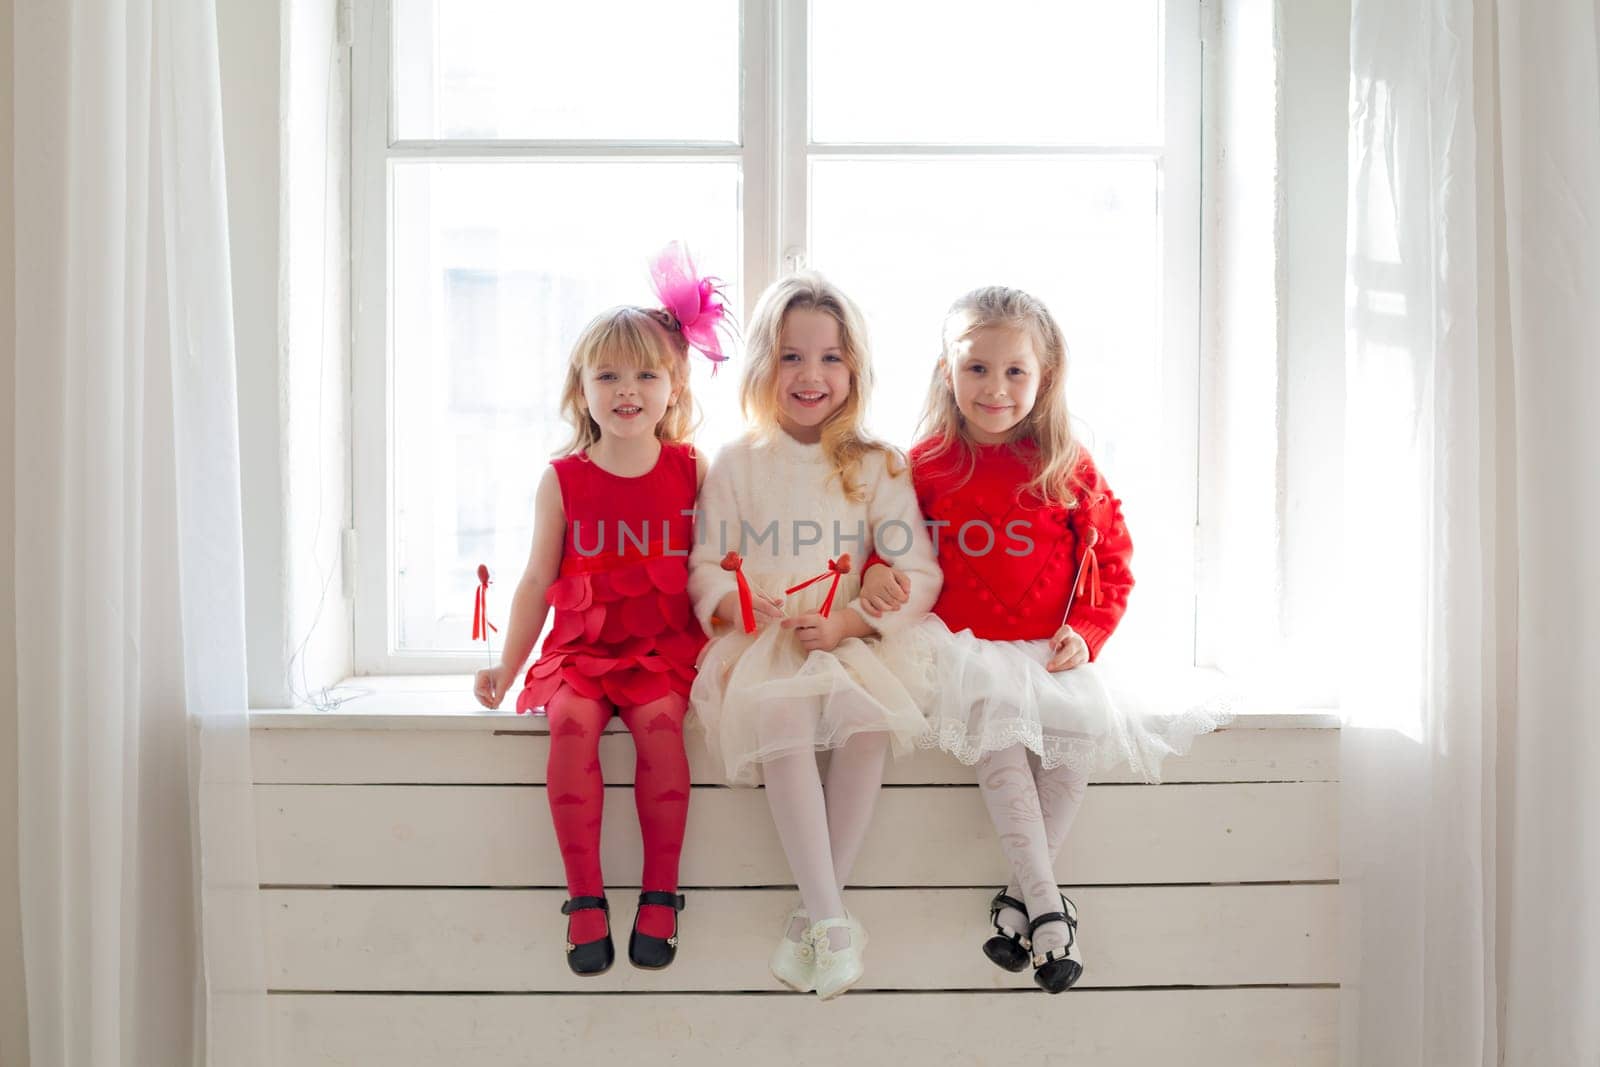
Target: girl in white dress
794 666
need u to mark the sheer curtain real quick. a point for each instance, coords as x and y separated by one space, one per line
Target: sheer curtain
141 929
1470 813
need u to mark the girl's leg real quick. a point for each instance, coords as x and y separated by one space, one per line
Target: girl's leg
661 793
855 777
1006 781
577 797
1061 793
794 793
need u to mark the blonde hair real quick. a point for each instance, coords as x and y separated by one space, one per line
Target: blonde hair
844 441
633 337
1048 425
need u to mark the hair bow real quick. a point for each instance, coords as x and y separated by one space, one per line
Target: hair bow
694 302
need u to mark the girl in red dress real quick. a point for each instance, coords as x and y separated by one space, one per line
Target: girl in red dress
612 534
1035 555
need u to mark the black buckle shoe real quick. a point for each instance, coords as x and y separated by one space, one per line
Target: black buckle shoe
654 953
1006 949
1055 971
590 957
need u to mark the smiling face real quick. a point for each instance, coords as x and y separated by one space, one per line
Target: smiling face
626 399
994 373
813 379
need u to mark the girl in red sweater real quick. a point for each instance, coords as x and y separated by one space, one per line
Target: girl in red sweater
1035 557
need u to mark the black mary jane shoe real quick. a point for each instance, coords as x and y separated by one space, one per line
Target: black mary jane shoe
590 957
1006 949
1055 971
654 953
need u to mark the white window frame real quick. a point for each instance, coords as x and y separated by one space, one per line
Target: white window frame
774 155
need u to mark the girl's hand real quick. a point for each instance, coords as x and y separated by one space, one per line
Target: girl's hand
884 589
491 684
822 633
767 609
1068 650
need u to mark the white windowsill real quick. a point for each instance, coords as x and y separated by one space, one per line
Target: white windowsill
445 702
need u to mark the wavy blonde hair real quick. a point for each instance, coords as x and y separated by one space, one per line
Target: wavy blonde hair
1048 426
844 441
632 337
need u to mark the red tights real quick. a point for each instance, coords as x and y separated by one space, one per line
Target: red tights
577 796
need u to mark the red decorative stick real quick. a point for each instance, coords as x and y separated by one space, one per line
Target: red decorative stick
733 562
838 568
480 609
1088 576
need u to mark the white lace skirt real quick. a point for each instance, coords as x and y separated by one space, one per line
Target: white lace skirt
983 696
761 696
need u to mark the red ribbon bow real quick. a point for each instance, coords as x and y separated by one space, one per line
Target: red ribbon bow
733 562
836 567
480 617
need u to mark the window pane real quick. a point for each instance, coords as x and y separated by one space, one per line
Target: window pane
497 267
612 70
906 238
1004 72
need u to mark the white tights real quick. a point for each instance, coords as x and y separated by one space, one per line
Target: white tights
1032 810
822 826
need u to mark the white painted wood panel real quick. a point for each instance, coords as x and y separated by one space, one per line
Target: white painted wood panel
348 756
455 940
1085 1028
922 836
445 702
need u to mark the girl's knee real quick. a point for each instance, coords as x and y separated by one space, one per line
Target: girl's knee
661 718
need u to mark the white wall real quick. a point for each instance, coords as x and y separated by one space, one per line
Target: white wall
1316 103
284 99
1240 455
317 247
13 1007
248 35
1271 512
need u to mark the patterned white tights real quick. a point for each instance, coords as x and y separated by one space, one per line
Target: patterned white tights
1032 809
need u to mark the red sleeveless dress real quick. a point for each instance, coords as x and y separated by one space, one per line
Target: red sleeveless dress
624 631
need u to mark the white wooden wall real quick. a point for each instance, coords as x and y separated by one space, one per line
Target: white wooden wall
412 885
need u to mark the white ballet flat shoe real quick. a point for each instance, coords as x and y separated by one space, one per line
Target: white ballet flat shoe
794 962
837 969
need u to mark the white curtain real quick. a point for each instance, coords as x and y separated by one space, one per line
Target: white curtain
141 928
1470 809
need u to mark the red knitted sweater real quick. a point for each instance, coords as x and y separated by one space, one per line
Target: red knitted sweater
1018 588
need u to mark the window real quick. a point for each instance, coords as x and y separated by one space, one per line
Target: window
514 164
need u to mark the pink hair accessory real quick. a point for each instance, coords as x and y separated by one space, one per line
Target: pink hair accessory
695 302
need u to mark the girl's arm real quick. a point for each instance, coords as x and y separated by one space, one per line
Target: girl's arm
718 512
528 605
1099 509
892 503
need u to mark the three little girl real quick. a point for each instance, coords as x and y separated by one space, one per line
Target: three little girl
807 653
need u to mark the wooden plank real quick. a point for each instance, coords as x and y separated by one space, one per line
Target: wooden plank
922 836
1086 1028
360 757
466 940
